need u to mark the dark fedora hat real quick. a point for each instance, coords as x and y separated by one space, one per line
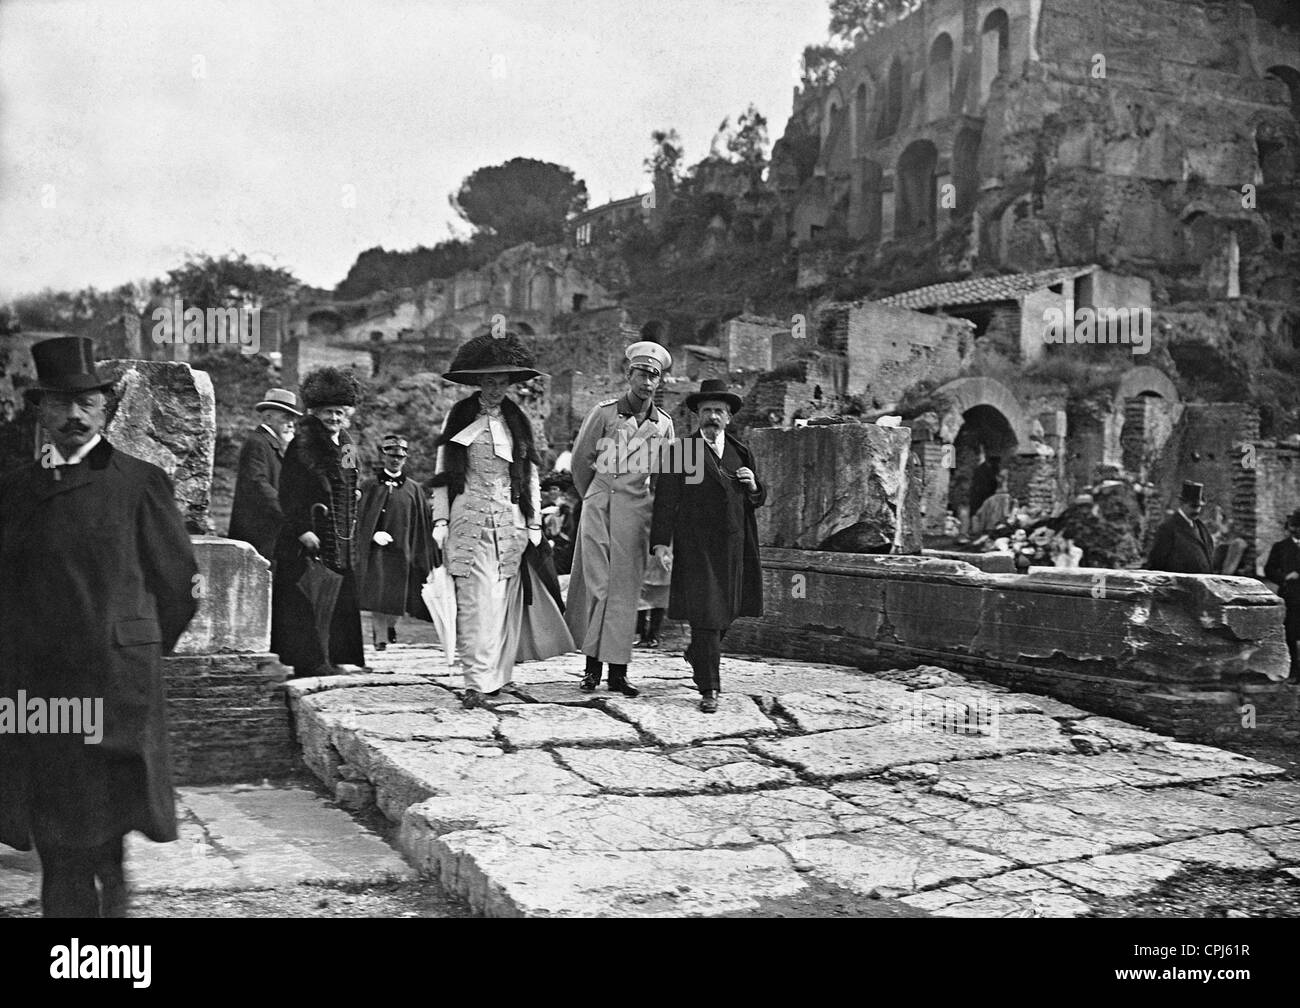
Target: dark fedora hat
1293 519
488 354
1193 493
65 364
713 388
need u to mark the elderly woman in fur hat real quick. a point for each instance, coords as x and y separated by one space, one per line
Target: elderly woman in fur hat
318 495
486 512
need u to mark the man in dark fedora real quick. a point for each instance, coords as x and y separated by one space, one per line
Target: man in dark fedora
1283 568
99 581
704 511
1183 544
255 516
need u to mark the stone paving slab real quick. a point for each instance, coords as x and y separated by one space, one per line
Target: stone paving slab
530 725
238 838
677 720
808 776
500 879
618 823
645 772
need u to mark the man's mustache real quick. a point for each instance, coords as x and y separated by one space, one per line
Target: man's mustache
73 427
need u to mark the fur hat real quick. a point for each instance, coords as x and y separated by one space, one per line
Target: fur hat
487 354
330 386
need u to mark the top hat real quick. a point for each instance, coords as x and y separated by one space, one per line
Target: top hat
488 354
713 388
280 399
65 364
649 356
1193 493
1293 519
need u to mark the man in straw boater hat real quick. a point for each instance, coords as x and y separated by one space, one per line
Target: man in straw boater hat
708 521
318 495
98 584
615 455
1183 544
486 513
255 516
393 544
1283 569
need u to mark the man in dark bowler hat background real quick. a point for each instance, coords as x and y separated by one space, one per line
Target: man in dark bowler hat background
98 583
255 516
707 518
1283 568
1183 544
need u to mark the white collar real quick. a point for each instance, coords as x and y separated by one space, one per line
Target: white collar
271 430
77 455
493 422
389 472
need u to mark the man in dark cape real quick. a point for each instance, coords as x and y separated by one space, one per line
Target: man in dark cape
394 545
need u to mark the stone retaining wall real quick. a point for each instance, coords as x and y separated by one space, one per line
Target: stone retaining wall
1187 655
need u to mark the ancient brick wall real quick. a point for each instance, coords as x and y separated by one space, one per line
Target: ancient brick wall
890 349
747 343
1276 495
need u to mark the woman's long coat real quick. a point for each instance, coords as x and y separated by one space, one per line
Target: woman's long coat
316 471
97 581
709 522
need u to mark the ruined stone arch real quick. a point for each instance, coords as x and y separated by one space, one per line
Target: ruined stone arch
892 105
938 79
915 196
861 117
965 394
965 167
1289 76
832 108
1145 380
994 51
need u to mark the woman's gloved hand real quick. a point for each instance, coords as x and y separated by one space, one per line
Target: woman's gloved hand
382 539
440 536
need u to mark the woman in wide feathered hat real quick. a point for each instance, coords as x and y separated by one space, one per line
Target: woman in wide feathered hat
486 513
318 496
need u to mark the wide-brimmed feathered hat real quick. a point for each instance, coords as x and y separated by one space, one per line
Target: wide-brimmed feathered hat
488 354
330 386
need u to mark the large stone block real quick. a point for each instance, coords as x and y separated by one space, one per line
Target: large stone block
165 412
234 592
841 487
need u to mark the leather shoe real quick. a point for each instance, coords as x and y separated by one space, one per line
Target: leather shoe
589 682
473 698
709 702
624 687
392 635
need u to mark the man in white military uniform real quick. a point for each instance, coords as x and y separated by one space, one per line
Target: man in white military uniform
615 456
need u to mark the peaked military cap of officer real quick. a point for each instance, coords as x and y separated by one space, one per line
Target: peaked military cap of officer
649 357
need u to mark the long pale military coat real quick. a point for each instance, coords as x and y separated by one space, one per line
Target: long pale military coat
615 458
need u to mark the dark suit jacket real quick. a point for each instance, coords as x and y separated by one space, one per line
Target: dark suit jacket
1180 548
255 516
1283 558
97 581
717 574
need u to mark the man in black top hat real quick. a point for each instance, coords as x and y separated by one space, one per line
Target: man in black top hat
707 519
1283 569
98 583
255 516
1183 544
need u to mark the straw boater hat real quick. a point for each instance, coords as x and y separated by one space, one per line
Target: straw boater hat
488 354
649 356
65 364
329 386
713 388
280 399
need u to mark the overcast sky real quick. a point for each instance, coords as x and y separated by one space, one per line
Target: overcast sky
132 133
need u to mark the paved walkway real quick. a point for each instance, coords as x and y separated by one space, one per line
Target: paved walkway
956 797
235 839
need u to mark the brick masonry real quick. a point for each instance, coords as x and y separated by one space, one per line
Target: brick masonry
228 720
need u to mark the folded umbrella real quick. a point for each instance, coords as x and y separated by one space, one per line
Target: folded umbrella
439 596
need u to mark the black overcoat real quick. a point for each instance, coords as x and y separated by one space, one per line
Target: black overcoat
389 577
316 471
1180 548
1283 558
717 574
97 581
255 516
